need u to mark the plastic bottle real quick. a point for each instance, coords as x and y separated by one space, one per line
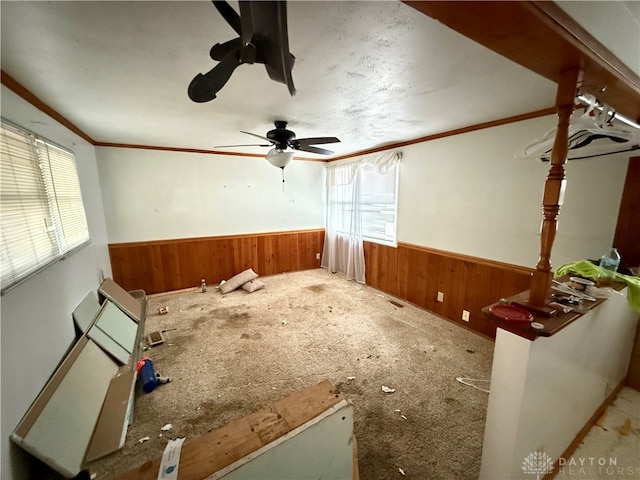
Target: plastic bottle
608 267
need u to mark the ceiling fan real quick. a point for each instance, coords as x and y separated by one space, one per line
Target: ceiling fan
284 144
263 38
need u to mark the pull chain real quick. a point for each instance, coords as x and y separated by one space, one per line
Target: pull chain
283 179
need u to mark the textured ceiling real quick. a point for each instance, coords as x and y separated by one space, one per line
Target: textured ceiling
370 73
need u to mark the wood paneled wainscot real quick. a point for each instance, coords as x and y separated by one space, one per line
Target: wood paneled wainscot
417 274
166 265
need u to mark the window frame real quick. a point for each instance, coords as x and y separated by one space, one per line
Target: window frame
40 155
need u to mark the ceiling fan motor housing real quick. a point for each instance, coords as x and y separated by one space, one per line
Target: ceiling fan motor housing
280 135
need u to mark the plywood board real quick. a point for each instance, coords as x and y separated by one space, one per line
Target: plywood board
112 424
214 451
86 312
321 448
125 301
115 323
61 433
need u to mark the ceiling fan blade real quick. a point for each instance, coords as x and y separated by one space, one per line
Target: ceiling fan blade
243 145
272 40
221 50
246 22
316 140
204 87
229 14
260 136
309 148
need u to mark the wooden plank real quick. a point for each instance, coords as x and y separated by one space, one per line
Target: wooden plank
209 453
110 431
123 299
402 265
61 433
321 448
266 255
371 263
86 312
308 246
420 273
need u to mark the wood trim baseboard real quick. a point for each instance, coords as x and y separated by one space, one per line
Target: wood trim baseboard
585 430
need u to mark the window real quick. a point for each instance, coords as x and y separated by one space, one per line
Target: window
379 195
42 216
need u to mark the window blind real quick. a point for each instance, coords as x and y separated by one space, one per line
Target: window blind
41 210
379 204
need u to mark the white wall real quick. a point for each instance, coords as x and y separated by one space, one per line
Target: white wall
615 24
154 195
37 327
468 194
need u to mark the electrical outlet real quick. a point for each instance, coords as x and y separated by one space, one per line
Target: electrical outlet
465 315
317 256
440 297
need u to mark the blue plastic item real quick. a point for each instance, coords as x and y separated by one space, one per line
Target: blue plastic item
148 376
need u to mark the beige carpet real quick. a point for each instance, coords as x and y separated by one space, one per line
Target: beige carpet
229 355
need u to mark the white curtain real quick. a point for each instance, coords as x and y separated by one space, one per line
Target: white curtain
343 249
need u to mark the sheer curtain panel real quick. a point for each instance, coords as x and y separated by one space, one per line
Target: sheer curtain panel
343 244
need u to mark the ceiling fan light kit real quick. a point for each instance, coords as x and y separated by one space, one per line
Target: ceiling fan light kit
279 158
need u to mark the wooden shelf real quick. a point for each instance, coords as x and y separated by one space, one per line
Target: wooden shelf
552 324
